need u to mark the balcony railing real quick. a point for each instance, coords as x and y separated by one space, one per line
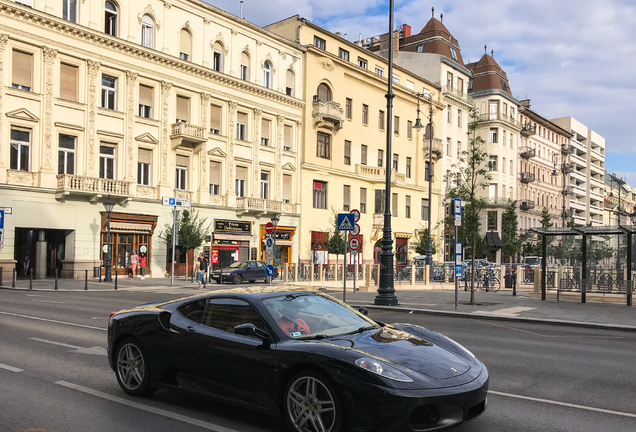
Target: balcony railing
527 205
528 130
458 94
379 173
568 190
90 185
526 233
567 149
527 177
438 149
188 133
259 204
499 202
527 152
568 168
500 117
328 115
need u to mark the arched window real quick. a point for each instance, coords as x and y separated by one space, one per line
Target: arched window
245 66
110 18
184 45
69 10
267 75
147 31
324 93
217 63
290 79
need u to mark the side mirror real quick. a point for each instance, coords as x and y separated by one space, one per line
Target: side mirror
250 329
363 311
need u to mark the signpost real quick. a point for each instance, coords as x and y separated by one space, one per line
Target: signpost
177 202
347 222
269 228
1 229
457 210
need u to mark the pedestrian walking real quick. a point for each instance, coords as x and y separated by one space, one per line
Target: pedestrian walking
142 265
134 261
200 273
204 268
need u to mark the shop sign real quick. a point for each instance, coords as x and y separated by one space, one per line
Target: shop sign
226 242
224 225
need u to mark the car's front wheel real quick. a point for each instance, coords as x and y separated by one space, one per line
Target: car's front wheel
312 404
237 279
132 370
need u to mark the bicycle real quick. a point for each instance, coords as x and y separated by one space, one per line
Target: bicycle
489 282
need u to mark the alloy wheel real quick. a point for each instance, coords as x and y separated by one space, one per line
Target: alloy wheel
131 367
311 405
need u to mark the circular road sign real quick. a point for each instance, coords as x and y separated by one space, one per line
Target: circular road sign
269 270
143 249
354 243
356 214
356 230
269 243
269 228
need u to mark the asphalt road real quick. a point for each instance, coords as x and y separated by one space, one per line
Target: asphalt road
54 374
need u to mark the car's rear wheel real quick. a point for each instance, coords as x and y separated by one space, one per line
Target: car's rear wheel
237 279
132 370
312 404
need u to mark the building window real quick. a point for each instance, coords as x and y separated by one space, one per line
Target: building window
449 80
425 209
143 167
110 18
22 73
394 205
493 110
343 54
396 79
319 43
395 161
145 101
407 207
181 176
427 171
379 201
323 148
147 31
324 93
453 53
245 67
66 154
493 135
109 92
241 182
470 84
380 158
217 57
363 154
420 48
68 82
396 125
410 85
107 162
215 119
460 85
492 221
379 71
348 108
459 149
215 178
241 126
449 114
185 45
503 166
381 120
265 132
362 63
320 194
365 114
267 75
287 188
409 129
287 138
492 163
448 146
265 185
183 109
408 167
346 197
459 118
290 79
347 152
20 149
69 10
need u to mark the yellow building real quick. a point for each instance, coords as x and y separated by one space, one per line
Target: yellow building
140 101
343 161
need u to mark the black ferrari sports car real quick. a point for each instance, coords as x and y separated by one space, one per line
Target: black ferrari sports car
320 364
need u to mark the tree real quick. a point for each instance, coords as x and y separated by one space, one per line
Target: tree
336 243
546 218
422 243
469 178
192 232
510 242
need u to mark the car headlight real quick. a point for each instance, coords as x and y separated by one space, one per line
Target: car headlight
382 369
466 350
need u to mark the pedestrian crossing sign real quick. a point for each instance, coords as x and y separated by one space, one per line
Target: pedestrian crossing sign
345 221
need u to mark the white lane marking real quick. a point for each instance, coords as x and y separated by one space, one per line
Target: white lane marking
569 405
512 311
53 321
48 301
158 411
96 350
10 368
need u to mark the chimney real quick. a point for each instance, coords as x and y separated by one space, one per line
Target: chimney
406 30
525 103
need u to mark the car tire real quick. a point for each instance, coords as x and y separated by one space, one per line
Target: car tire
132 368
237 279
309 399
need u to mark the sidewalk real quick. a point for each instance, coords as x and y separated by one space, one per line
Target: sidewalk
436 299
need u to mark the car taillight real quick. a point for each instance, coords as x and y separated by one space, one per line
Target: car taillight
110 318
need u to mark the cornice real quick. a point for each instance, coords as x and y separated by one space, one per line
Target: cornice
494 92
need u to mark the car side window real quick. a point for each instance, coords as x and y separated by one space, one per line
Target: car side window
226 313
193 311
260 264
250 265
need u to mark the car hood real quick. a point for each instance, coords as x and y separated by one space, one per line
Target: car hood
228 270
407 350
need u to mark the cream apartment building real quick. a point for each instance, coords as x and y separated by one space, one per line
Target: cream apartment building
137 101
344 158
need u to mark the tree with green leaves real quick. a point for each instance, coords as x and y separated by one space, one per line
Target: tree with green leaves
469 179
192 232
422 243
336 243
510 242
546 218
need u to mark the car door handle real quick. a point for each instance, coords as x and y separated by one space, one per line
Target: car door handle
190 329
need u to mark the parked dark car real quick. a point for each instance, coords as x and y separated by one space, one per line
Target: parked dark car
241 271
313 360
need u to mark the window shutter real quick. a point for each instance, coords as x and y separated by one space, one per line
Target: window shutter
22 67
287 187
288 136
145 95
68 82
241 173
215 117
145 156
184 42
182 161
183 108
265 131
290 80
241 118
363 154
215 173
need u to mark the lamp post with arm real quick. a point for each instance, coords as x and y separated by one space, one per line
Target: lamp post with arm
429 177
108 206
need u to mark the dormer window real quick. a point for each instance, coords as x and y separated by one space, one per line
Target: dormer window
453 53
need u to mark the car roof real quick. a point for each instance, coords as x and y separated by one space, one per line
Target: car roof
256 292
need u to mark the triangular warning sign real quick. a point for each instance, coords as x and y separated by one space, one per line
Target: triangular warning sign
345 225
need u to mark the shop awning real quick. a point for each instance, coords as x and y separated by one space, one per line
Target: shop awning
403 235
493 239
236 237
131 227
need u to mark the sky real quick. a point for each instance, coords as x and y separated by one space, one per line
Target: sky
571 58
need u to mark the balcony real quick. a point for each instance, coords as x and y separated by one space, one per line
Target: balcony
499 202
261 206
527 234
186 134
500 117
568 168
528 130
92 187
328 115
438 149
567 149
527 152
527 177
527 205
458 94
568 190
379 173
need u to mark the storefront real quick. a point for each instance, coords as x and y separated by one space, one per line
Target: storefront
402 248
319 242
231 239
128 232
284 244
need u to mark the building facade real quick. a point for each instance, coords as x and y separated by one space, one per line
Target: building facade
137 102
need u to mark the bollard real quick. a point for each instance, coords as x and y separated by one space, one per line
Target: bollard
466 281
85 280
1 269
116 278
13 279
55 279
31 278
514 285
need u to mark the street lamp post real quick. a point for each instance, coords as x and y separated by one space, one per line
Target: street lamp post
275 221
108 206
418 126
554 173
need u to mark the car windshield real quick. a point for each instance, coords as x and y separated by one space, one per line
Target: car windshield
238 265
315 316
533 261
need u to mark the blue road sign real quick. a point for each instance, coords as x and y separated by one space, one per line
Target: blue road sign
458 271
457 206
346 222
1 219
269 270
269 243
